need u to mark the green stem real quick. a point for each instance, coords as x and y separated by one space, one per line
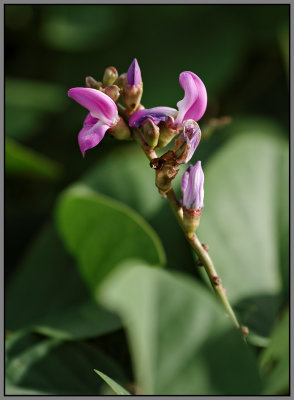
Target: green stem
203 255
214 278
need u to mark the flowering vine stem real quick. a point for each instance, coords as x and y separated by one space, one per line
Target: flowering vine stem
155 128
202 253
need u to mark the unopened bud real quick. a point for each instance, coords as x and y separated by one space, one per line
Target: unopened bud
192 197
133 87
132 96
150 132
166 133
110 76
113 92
120 131
121 81
134 74
92 83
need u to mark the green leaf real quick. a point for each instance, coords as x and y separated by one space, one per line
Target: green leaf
54 299
125 175
20 160
180 340
101 233
114 385
245 219
36 365
274 361
48 272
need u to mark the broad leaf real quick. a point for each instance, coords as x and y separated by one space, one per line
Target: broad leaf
101 233
54 299
125 175
180 340
245 220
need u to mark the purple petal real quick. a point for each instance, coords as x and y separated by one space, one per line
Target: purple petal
194 103
194 192
191 135
92 133
99 104
134 74
185 179
157 114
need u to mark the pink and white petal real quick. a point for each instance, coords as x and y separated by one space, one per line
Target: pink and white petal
99 104
185 180
194 103
90 121
91 135
157 114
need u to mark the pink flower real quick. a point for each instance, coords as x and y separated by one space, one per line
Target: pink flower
103 115
192 106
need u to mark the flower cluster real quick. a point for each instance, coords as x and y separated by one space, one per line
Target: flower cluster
157 126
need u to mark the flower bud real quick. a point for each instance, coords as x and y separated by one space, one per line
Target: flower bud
121 81
134 74
121 131
132 96
192 197
113 92
166 133
110 76
150 132
133 87
92 83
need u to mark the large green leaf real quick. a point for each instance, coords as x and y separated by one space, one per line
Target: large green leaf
245 220
274 361
36 365
180 339
20 160
101 233
54 299
125 175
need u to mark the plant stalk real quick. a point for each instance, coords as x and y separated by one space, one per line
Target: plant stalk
203 255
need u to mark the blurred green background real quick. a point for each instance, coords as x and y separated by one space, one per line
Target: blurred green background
242 55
